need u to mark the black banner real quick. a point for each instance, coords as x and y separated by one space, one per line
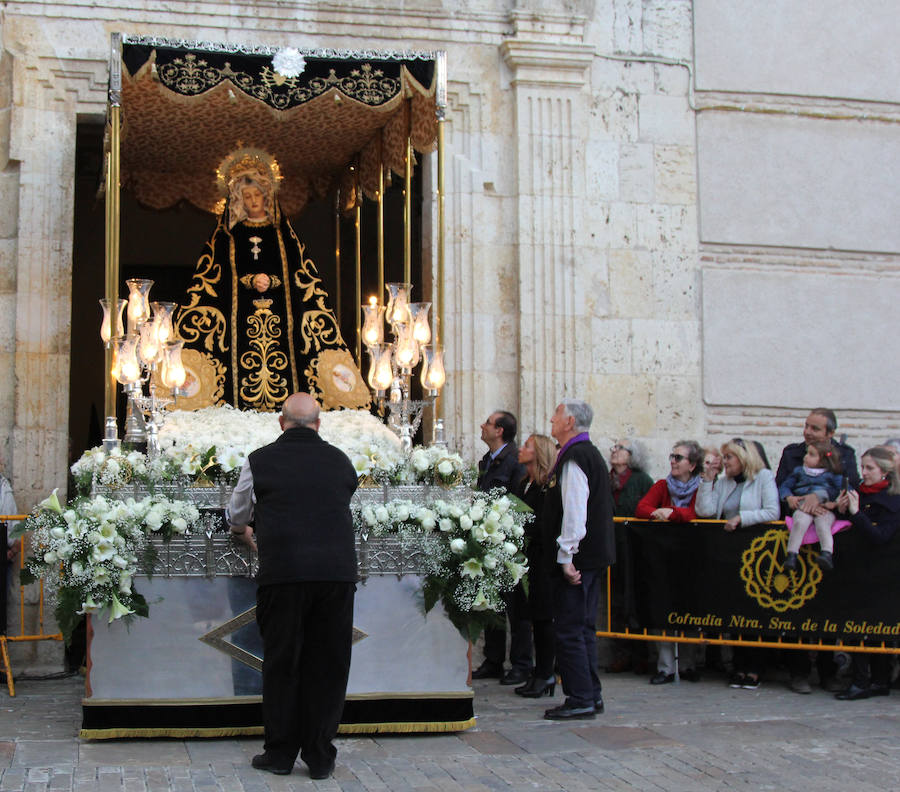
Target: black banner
698 577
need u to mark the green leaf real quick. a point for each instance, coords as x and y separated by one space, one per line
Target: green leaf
68 603
518 505
139 605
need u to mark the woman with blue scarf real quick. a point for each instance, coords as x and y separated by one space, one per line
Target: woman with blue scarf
672 499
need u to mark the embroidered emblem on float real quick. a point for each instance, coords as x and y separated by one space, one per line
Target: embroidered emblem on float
769 583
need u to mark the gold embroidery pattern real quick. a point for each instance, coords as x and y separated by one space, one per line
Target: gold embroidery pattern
202 322
264 388
334 378
318 327
191 75
247 281
765 578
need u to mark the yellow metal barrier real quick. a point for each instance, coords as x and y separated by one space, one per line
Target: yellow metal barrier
22 636
719 639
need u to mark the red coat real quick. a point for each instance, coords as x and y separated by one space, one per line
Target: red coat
658 497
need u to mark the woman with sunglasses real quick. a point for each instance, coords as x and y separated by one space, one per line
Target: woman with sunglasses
745 495
672 499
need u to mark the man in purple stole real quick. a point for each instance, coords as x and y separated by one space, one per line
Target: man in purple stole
578 530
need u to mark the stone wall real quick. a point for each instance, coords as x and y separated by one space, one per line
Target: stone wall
700 245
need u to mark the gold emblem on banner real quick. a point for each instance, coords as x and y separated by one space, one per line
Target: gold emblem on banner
769 583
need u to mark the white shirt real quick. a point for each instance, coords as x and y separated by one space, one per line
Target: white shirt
574 488
240 508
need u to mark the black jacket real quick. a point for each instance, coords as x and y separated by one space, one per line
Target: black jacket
878 516
303 523
502 471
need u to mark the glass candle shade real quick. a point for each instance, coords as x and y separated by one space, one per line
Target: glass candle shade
172 373
373 323
421 328
138 302
162 316
106 329
129 369
434 377
398 303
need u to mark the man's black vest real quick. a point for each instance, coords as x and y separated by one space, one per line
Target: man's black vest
302 516
598 547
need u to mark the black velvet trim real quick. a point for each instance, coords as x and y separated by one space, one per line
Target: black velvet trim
249 714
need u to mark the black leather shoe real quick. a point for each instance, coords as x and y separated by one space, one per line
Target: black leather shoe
662 678
568 712
598 706
535 688
853 693
488 670
321 772
826 560
514 676
265 762
790 561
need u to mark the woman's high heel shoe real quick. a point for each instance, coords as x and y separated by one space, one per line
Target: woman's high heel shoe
536 687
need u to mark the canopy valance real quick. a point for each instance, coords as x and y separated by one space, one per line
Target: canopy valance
187 105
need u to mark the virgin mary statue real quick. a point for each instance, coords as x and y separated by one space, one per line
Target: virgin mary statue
257 326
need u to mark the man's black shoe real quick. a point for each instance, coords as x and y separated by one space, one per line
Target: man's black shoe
515 676
323 772
568 712
662 678
277 766
598 706
488 670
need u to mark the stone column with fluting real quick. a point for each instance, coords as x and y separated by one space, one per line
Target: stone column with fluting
549 79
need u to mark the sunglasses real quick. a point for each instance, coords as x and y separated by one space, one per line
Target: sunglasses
676 457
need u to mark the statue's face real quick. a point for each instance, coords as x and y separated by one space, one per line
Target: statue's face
254 202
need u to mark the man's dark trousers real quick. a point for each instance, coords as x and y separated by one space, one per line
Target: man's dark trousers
307 631
574 623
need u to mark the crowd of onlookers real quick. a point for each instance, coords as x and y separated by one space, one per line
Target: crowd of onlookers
817 488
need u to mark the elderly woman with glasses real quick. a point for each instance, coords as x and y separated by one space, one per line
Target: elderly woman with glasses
629 481
628 476
746 495
672 499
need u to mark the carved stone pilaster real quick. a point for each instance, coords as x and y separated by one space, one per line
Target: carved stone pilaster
551 98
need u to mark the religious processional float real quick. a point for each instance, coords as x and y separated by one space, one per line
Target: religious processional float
129 504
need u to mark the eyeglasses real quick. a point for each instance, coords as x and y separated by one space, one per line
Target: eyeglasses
676 457
618 447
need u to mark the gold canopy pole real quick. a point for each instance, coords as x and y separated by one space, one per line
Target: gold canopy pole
407 216
337 254
441 102
358 287
113 213
381 298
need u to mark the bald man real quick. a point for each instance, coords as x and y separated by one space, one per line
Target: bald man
297 493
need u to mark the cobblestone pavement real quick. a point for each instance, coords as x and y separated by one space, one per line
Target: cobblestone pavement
674 737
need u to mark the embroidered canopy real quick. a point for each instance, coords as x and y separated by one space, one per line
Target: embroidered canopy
187 105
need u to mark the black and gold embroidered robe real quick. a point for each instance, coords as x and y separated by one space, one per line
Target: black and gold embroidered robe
256 347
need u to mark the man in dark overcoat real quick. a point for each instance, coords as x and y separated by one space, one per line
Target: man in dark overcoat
296 492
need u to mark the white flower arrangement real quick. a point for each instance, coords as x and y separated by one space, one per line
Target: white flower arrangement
478 555
89 551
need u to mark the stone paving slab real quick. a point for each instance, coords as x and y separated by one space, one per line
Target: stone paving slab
684 738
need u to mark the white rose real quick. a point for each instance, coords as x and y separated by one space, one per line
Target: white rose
381 514
179 524
101 575
445 525
509 548
57 533
69 516
64 550
401 512
465 522
419 460
478 533
445 468
476 512
490 562
50 557
119 562
458 546
125 584
518 531
77 568
368 515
